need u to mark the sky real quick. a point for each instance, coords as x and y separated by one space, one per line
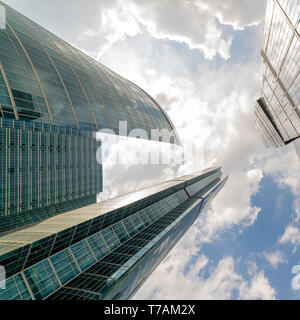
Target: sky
201 60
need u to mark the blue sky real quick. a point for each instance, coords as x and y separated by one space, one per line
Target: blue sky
201 60
262 236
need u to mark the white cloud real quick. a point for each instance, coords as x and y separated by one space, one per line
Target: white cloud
283 165
199 116
254 177
124 170
92 26
198 113
259 288
291 235
275 258
182 21
188 274
238 14
296 205
194 22
116 25
98 25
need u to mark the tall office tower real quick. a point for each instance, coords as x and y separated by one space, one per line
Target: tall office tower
277 112
106 250
53 98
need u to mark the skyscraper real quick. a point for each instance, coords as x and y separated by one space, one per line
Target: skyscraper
53 98
277 111
105 250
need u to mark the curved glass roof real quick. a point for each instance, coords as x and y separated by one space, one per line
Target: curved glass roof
45 79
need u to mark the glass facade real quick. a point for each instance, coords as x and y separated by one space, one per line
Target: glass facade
105 250
53 98
46 80
45 170
277 112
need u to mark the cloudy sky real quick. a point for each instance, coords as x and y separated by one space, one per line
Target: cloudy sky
200 59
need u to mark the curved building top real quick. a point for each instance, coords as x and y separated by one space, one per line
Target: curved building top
45 79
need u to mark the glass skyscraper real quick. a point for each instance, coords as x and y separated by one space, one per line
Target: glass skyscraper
277 111
105 250
46 80
53 98
45 170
